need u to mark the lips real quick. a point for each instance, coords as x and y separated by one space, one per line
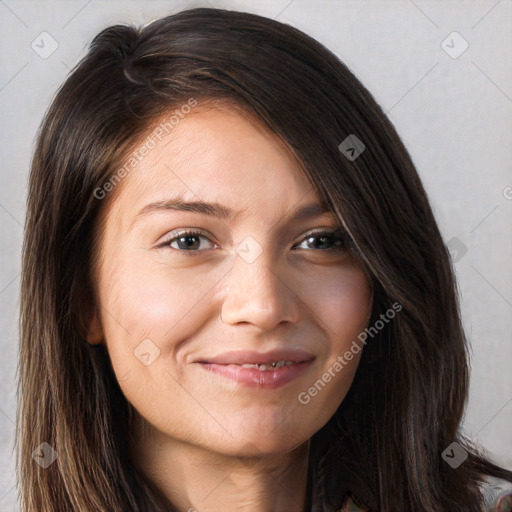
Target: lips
273 357
268 370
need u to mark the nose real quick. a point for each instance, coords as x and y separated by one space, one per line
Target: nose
259 293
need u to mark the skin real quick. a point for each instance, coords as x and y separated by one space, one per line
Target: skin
237 447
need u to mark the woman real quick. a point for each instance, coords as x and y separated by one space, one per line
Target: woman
235 294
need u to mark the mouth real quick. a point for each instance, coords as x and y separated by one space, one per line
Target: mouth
264 370
281 357
265 367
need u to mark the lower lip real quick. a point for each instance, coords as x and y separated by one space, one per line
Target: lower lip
269 379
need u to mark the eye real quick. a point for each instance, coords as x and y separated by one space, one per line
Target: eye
188 241
325 240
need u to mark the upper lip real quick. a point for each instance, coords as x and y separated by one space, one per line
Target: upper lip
252 357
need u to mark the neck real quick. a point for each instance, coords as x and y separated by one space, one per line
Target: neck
196 479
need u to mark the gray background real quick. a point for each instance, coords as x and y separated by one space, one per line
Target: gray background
454 115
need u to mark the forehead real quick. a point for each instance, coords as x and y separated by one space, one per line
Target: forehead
216 155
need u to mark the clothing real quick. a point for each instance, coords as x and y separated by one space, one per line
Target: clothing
351 504
498 501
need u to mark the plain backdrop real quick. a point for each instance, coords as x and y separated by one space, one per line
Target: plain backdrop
451 105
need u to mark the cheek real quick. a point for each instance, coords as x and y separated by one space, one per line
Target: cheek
147 299
149 310
343 303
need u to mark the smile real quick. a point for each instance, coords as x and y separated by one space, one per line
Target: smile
268 376
265 367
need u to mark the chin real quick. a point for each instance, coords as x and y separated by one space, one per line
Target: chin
267 439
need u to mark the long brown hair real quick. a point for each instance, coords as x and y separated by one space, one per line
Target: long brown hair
407 399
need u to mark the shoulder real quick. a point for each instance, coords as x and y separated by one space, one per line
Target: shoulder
497 498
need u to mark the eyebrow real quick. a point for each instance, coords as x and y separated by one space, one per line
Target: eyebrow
219 211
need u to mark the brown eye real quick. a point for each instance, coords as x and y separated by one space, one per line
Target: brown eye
324 240
188 241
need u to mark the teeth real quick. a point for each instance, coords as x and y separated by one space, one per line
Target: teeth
264 367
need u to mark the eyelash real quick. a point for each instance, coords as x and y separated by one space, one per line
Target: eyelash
335 236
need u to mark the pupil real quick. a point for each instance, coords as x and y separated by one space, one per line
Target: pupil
189 242
323 241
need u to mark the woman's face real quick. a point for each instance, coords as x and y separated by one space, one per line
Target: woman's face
180 314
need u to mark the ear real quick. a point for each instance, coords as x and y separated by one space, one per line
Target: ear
93 329
90 324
